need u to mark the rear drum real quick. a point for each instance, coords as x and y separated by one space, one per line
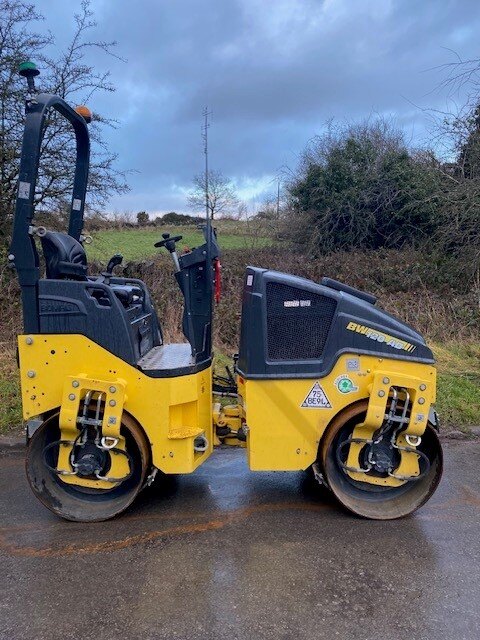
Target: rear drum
74 502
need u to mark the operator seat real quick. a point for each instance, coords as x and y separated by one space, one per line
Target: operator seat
65 259
64 256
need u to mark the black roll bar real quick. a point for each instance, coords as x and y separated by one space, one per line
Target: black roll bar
23 253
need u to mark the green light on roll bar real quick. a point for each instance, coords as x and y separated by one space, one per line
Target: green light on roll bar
28 68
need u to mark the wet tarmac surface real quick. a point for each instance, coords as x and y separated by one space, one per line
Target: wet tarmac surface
228 553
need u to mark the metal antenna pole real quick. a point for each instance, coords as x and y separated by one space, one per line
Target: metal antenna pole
206 126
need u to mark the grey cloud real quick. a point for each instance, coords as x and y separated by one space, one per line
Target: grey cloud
272 73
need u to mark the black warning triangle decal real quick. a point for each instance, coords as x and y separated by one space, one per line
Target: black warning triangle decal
316 398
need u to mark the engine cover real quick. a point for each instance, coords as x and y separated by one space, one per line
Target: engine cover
293 327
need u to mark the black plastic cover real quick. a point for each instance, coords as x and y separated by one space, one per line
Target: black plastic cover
195 280
93 310
295 328
339 286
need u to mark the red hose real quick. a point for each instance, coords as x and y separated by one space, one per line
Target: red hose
218 280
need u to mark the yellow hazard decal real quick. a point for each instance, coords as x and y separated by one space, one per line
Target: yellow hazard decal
379 336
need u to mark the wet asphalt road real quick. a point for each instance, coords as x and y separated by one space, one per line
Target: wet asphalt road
226 553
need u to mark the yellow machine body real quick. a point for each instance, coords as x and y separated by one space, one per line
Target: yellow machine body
284 428
284 431
56 371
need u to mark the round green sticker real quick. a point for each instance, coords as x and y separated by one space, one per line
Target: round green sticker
345 385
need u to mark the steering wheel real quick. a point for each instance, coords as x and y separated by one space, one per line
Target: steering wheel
168 242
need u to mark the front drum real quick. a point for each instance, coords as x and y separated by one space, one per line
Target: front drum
374 501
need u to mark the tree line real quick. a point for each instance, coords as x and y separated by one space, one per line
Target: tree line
361 186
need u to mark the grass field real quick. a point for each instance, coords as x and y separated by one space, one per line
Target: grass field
137 244
458 397
458 393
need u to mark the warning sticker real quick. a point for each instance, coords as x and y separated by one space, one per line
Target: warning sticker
24 190
316 398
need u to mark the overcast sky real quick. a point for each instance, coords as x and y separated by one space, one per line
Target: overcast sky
271 71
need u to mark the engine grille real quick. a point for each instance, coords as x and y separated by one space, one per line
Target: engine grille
298 322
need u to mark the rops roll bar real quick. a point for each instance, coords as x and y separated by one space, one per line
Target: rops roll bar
23 253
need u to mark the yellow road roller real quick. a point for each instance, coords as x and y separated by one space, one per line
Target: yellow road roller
324 380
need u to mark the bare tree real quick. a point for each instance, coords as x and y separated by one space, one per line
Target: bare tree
455 136
222 197
461 72
74 79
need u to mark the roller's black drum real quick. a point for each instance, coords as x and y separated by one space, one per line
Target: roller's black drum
77 503
373 501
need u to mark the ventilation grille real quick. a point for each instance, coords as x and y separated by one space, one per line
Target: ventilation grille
298 322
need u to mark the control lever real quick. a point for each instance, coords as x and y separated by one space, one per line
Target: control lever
169 243
112 263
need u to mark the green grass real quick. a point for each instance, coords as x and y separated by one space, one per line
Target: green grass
10 405
137 244
458 400
10 412
458 386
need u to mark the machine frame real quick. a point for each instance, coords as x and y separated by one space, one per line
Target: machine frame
324 380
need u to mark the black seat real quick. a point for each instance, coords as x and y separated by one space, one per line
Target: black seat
65 257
